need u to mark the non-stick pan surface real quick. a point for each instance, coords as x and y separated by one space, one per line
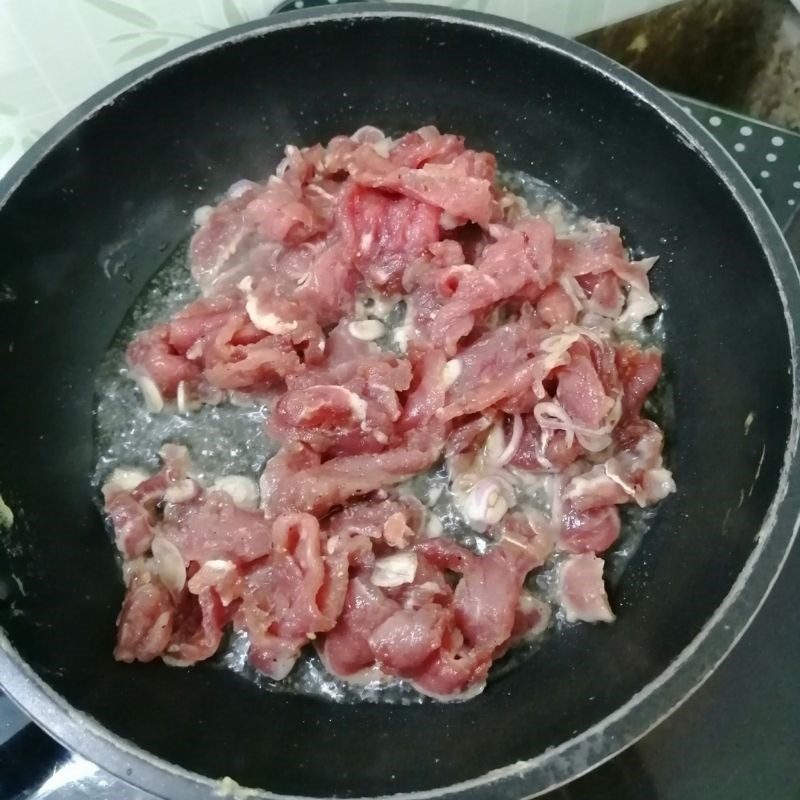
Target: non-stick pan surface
116 184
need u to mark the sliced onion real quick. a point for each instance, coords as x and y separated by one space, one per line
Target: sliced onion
195 351
374 137
451 372
180 491
133 567
366 330
169 564
368 134
656 485
640 304
527 603
634 273
383 147
332 544
176 455
171 661
495 444
404 332
238 399
317 189
507 200
502 477
395 570
212 573
647 263
487 503
267 321
513 443
358 405
246 284
587 483
598 323
447 222
202 215
547 435
433 527
574 291
184 399
586 332
554 353
153 399
181 398
375 306
434 493
284 164
241 489
556 501
365 243
611 470
551 415
238 188
593 442
430 133
615 415
498 231
396 532
124 479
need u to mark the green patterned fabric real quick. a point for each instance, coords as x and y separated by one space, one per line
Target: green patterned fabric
56 53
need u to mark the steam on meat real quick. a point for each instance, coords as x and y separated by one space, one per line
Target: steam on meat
515 362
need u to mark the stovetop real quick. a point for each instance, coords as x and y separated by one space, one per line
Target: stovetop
736 738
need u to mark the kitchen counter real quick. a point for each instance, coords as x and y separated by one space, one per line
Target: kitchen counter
739 54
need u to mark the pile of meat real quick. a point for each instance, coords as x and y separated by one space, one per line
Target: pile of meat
390 305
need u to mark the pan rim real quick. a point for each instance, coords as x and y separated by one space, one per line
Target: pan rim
656 700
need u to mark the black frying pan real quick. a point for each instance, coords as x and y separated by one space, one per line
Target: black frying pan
121 175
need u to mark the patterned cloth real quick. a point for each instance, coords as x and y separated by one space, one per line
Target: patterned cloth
56 53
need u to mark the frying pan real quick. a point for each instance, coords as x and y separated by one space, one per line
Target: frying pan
116 183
